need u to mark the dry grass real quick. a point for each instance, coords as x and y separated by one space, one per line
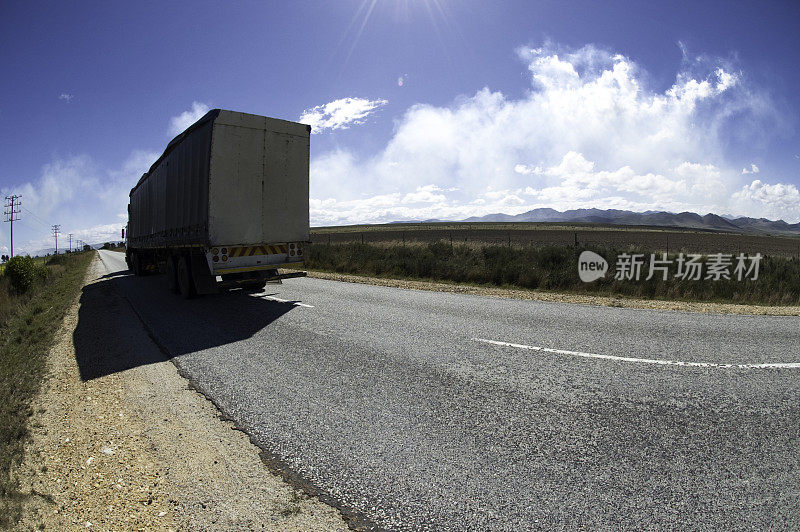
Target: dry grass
28 324
548 268
551 234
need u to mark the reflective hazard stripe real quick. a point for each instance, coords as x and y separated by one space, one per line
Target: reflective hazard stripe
249 251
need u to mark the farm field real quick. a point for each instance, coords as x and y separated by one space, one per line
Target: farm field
657 239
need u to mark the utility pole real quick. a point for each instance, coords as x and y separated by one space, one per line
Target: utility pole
56 232
13 203
70 242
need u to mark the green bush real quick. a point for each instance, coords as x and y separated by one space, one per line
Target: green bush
23 273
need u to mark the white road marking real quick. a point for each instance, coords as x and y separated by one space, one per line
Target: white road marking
773 365
295 303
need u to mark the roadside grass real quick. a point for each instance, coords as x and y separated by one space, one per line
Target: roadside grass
653 238
551 268
28 322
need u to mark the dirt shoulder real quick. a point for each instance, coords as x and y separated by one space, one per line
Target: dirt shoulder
535 295
136 448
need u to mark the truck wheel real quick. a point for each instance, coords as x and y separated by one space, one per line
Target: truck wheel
136 263
172 276
185 281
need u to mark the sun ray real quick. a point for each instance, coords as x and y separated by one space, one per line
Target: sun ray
361 29
438 16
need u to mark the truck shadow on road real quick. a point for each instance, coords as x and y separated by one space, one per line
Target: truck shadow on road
110 337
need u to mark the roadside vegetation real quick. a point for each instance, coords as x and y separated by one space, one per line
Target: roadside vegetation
35 294
564 234
113 246
552 268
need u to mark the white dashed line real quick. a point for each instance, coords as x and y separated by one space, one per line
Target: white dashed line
774 365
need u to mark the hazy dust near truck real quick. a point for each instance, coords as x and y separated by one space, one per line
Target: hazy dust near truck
225 205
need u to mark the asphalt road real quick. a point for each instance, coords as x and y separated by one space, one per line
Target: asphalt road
392 403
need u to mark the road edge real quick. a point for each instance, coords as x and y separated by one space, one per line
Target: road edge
561 297
354 519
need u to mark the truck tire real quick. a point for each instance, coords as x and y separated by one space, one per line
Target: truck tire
172 275
136 263
185 281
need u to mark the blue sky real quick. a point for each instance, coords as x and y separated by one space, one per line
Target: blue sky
422 108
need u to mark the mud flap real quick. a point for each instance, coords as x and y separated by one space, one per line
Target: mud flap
204 282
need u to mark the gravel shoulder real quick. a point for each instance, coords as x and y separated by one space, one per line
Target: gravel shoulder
137 448
535 295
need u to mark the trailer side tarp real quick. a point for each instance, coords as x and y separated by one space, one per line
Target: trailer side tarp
229 179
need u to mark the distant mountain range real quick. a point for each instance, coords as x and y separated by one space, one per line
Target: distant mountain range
683 220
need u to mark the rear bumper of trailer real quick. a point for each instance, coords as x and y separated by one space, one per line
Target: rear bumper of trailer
233 259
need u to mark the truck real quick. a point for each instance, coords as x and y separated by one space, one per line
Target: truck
225 205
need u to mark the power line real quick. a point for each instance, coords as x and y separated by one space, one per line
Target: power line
56 232
13 204
27 224
36 218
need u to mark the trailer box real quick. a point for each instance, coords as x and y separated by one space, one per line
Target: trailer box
226 202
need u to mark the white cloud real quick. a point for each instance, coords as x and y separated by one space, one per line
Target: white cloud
426 194
66 97
753 170
779 201
578 184
527 170
384 208
589 133
78 194
340 114
177 124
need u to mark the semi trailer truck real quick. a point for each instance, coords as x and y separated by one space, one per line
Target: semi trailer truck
225 205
